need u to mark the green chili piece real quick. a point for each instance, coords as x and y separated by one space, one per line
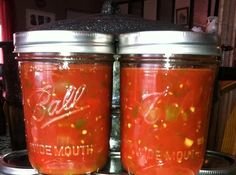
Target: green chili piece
172 113
80 123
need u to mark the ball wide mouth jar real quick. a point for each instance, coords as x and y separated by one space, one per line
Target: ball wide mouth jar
167 82
64 75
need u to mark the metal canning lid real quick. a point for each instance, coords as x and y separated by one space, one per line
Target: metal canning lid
217 163
168 43
63 41
15 163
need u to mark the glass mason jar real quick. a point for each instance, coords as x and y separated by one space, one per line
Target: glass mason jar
66 80
167 82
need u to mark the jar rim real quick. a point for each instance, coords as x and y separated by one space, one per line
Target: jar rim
169 43
64 41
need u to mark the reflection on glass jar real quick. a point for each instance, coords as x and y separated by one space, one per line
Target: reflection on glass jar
66 86
167 80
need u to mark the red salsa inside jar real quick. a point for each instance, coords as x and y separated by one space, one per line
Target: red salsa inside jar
164 119
67 110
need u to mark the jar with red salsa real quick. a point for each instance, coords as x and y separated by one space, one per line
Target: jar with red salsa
66 80
167 82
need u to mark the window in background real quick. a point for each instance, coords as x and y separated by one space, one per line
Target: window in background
1 55
6 17
7 13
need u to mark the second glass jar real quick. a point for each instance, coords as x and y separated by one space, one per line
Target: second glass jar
167 82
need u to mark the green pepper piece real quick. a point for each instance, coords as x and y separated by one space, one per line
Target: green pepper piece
80 123
172 113
135 112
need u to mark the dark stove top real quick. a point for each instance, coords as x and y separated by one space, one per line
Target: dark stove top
5 145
